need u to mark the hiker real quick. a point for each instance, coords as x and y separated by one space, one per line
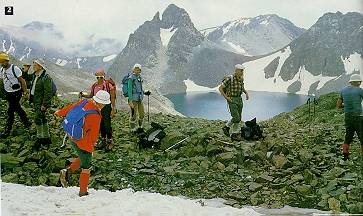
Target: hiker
15 87
27 77
41 99
108 111
135 98
84 146
231 89
351 99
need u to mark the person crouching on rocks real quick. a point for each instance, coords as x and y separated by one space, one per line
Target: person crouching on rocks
231 89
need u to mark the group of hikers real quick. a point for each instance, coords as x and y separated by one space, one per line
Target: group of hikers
85 119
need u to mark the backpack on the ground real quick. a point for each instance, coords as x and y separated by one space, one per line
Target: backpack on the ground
152 137
125 81
252 131
54 86
74 120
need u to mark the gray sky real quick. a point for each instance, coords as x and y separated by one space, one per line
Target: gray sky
118 18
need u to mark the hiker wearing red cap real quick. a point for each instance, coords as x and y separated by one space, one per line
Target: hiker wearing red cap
109 110
351 99
84 145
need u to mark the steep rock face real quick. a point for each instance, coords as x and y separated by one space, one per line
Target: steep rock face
333 37
256 36
318 62
163 47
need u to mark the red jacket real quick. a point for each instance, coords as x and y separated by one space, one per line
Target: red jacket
91 125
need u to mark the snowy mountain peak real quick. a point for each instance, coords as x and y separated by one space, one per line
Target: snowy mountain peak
175 16
255 36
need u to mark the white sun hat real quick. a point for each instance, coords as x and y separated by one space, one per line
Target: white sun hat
102 97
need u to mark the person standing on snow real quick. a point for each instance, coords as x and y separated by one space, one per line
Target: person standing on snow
84 147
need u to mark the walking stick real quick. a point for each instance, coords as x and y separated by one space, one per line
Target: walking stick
148 112
176 144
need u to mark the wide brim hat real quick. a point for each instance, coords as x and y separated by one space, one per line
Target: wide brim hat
355 78
102 97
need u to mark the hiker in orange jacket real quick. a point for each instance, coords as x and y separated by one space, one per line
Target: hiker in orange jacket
85 146
109 110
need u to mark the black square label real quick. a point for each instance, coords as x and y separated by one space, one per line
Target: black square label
9 10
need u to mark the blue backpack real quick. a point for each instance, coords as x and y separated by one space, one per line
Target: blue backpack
125 80
73 123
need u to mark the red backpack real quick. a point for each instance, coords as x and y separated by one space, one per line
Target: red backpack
108 83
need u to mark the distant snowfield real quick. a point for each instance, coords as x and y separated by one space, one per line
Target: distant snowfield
192 87
166 34
39 200
353 63
109 58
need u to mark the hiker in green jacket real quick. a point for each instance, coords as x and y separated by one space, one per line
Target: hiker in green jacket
231 89
135 98
41 99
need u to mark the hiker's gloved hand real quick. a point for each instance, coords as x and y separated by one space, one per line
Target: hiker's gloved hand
147 93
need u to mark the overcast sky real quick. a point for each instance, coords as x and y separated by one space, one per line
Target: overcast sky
118 18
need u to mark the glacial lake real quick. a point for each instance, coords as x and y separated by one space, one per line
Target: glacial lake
212 106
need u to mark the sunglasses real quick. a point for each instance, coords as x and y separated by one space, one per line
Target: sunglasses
100 77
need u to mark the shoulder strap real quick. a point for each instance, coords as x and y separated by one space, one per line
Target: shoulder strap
13 70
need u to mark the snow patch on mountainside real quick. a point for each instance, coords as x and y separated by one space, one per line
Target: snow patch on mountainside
307 79
109 58
353 63
79 60
166 34
61 62
4 49
237 48
255 77
242 21
192 87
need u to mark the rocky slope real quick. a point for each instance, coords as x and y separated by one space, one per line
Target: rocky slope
297 164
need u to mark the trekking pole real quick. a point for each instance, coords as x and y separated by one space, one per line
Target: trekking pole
176 144
148 111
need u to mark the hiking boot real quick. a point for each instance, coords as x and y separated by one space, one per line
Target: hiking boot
236 137
345 156
140 130
81 194
63 177
109 144
226 131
